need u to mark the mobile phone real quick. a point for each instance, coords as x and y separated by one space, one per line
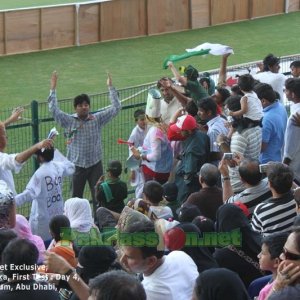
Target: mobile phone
263 168
228 156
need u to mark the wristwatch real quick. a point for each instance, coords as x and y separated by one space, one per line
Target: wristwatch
225 178
70 271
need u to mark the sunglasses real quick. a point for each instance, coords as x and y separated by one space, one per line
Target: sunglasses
290 256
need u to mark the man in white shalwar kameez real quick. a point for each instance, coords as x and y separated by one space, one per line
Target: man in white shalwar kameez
14 162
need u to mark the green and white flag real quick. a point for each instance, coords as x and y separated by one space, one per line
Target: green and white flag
206 48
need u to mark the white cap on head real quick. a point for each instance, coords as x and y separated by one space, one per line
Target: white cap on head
153 103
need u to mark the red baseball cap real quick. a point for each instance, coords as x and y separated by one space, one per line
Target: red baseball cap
186 122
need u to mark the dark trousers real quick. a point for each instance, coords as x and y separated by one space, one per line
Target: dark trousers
83 175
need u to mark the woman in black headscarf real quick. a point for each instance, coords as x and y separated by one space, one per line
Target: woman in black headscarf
219 284
95 260
201 255
242 258
205 225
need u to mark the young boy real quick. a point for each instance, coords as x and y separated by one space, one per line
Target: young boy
44 190
251 107
269 258
150 204
137 137
111 192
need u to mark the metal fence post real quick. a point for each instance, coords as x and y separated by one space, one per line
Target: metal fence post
35 127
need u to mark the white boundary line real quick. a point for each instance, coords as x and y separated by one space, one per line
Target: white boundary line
136 94
54 5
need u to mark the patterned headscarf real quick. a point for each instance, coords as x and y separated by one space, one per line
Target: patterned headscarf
6 204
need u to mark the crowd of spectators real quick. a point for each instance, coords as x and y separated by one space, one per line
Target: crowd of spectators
215 214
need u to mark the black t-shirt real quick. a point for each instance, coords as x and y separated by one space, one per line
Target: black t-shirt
119 193
208 200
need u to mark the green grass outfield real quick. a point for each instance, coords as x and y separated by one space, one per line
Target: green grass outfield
25 77
12 4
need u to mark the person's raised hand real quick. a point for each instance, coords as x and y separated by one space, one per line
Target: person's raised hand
109 80
56 263
45 144
100 180
287 273
53 81
226 55
166 83
15 116
170 64
238 157
223 167
178 113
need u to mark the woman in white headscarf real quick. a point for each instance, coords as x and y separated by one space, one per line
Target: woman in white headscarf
79 212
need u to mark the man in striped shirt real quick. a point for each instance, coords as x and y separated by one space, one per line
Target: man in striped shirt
245 141
278 213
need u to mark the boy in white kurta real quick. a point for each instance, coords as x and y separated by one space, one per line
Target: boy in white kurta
137 137
44 190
